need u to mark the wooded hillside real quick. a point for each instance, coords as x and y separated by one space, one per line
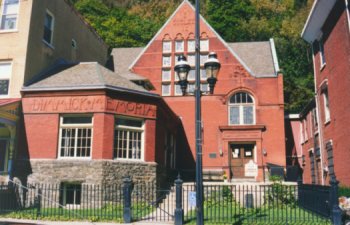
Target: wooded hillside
131 23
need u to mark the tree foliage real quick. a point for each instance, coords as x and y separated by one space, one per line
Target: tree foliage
131 23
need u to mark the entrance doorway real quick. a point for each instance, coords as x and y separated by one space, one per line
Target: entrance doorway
241 154
3 155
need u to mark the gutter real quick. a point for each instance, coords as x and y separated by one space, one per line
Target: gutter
95 87
274 56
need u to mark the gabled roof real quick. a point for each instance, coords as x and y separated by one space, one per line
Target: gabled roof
82 76
122 58
257 56
317 17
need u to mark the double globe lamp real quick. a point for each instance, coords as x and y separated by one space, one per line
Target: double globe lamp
211 66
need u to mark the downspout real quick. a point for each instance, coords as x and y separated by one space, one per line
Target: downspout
319 130
347 12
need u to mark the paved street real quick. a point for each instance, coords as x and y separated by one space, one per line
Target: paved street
4 221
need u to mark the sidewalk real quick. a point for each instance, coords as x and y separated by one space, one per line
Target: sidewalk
6 221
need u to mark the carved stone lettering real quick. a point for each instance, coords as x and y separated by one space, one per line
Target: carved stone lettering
67 104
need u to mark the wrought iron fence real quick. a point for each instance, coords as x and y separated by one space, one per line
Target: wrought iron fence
62 201
223 203
250 204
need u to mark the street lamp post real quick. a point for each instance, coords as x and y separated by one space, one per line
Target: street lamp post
182 67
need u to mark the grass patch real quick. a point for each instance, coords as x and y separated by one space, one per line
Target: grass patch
235 214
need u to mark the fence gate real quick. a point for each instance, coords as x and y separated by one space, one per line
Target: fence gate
149 203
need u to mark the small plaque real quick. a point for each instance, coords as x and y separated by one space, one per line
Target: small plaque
212 155
251 169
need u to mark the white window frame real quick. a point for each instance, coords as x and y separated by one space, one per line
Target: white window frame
191 45
203 58
2 13
167 46
202 85
322 53
327 112
241 110
166 93
165 58
76 127
204 43
7 77
166 75
64 197
191 87
179 43
191 75
52 29
130 129
177 91
191 59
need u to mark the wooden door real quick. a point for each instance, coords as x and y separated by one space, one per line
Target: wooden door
240 155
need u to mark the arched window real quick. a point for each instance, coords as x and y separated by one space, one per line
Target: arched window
241 109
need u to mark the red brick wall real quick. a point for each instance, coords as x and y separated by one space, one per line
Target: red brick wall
42 124
42 135
336 72
233 77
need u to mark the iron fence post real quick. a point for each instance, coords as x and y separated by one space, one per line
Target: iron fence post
127 200
336 212
179 212
37 203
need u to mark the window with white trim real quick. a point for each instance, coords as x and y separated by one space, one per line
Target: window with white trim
190 88
128 138
203 58
5 75
166 75
178 90
75 139
179 46
70 194
166 88
327 113
241 109
204 45
191 75
204 87
49 24
9 14
191 59
203 74
167 61
322 55
191 46
166 46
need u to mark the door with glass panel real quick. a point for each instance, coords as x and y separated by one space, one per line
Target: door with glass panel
241 154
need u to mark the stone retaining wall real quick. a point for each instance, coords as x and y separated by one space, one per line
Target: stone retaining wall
91 171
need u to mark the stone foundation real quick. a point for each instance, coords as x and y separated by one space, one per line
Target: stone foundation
104 172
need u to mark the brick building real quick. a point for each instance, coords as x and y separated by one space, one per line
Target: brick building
243 121
33 36
325 122
86 124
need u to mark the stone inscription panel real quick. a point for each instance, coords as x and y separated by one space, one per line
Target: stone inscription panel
87 104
